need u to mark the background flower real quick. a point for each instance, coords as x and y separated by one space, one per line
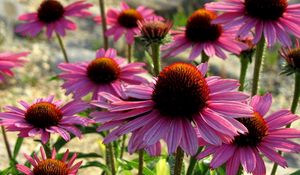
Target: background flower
52 15
10 60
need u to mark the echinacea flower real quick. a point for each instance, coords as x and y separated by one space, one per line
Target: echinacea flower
106 73
45 116
50 165
180 102
292 57
265 136
111 120
154 31
52 15
272 19
203 36
10 60
124 21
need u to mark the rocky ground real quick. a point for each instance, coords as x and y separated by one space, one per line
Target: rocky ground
32 80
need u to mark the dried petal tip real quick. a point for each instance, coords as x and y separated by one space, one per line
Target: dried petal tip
154 30
248 52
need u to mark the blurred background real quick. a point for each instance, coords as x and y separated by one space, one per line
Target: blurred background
35 78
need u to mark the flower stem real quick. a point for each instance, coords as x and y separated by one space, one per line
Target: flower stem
111 158
129 53
103 22
204 58
122 146
244 66
6 142
141 162
258 62
178 161
47 149
156 58
293 110
193 161
62 48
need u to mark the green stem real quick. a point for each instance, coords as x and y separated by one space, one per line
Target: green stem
141 162
111 158
204 58
293 110
6 142
129 53
257 66
103 22
156 58
62 48
193 161
178 161
47 149
122 146
244 66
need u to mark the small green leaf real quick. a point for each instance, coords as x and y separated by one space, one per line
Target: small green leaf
134 164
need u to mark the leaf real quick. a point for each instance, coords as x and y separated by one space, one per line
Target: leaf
201 168
6 171
296 173
54 78
17 147
96 164
80 155
133 164
60 142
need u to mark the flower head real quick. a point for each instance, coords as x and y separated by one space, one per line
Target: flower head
292 57
265 135
180 103
272 19
50 165
106 73
125 21
43 117
154 31
10 60
52 15
203 36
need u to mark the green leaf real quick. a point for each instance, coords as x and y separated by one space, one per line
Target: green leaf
133 164
201 168
6 171
96 164
60 142
296 173
54 78
17 147
80 155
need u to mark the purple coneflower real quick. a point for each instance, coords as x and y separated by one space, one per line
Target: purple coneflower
181 101
106 73
10 60
45 116
50 165
272 19
203 36
265 135
52 15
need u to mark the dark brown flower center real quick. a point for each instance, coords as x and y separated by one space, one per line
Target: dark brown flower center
266 9
50 11
129 18
200 29
294 57
103 70
180 91
155 29
257 130
43 115
51 167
